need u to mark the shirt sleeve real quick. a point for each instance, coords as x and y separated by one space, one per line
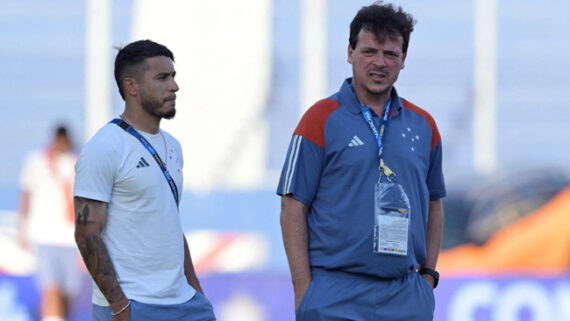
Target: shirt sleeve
95 170
305 158
301 171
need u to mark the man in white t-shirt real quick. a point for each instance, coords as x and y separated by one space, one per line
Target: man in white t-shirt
45 223
127 189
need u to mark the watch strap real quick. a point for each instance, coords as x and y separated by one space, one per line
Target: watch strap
431 272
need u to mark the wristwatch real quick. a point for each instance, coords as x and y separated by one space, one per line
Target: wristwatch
433 273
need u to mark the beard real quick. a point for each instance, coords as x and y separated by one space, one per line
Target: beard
152 105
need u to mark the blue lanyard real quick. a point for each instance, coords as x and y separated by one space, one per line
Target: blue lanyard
379 134
383 123
128 128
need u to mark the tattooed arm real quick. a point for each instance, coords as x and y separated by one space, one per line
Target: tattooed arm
90 217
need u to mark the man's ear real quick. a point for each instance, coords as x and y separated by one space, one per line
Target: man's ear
403 60
130 86
350 51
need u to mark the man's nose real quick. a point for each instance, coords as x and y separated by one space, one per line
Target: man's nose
379 60
174 86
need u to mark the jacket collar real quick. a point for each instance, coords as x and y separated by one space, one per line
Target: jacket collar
347 98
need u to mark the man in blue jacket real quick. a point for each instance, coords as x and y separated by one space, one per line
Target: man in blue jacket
361 188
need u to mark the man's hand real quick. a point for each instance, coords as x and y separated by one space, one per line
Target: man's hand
125 315
429 279
300 292
23 242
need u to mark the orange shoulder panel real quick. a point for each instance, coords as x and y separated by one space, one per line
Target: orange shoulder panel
312 124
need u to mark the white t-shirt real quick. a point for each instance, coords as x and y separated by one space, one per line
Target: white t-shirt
48 179
142 233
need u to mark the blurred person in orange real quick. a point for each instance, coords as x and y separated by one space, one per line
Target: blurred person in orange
46 223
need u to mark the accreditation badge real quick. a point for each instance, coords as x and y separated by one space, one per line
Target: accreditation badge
391 217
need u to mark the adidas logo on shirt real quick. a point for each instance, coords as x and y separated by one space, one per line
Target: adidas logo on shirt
142 163
355 142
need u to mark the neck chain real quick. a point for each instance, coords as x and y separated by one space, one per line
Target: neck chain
165 160
161 135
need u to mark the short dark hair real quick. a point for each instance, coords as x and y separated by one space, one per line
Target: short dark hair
383 20
132 57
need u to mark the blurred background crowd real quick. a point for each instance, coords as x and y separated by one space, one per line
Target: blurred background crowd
247 70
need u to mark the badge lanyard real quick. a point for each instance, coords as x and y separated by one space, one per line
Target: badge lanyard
128 128
391 204
378 134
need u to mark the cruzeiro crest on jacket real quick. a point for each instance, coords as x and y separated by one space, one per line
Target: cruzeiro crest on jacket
174 158
411 138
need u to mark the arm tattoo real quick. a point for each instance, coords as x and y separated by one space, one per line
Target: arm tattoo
93 250
100 266
82 217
